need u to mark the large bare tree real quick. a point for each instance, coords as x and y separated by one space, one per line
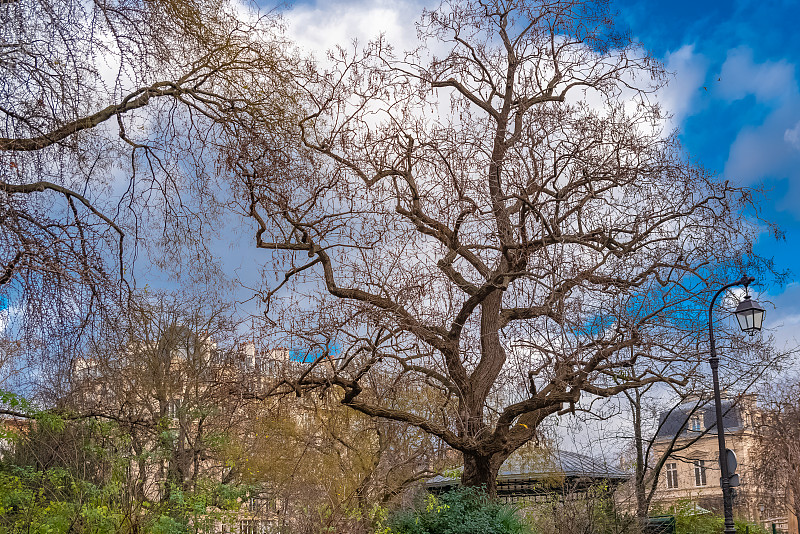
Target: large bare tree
496 217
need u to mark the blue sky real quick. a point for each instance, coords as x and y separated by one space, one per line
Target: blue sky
735 95
736 73
743 116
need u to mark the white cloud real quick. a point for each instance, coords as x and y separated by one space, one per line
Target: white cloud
769 149
793 136
782 319
761 151
689 72
8 315
740 77
322 26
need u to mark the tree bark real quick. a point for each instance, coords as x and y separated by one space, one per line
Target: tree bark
481 471
642 503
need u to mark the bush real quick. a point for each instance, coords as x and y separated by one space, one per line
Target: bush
564 511
689 521
712 524
461 511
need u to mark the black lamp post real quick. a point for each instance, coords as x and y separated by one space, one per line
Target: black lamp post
750 316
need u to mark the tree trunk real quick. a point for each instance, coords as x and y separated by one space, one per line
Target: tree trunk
642 503
481 471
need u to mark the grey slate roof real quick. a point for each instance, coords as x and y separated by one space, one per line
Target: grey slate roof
671 422
550 464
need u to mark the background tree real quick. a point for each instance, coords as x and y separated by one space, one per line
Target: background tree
496 217
72 475
328 468
659 419
138 442
778 452
111 117
166 377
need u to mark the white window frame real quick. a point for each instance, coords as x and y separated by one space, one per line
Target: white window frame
671 470
700 478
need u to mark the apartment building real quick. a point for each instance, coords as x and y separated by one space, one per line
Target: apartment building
691 473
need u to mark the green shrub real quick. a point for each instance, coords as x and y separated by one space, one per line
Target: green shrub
712 524
461 511
689 521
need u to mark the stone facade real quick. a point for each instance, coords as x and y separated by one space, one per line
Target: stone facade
692 471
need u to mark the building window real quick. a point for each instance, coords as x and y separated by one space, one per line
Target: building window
672 475
699 473
695 424
255 526
173 409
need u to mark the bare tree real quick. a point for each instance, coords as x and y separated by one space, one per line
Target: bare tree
496 217
327 466
164 377
660 420
778 451
111 118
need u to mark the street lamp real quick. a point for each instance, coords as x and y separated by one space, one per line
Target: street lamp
750 316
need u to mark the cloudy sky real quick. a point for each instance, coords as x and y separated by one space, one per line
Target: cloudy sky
735 95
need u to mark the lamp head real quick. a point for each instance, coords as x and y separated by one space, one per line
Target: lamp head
750 315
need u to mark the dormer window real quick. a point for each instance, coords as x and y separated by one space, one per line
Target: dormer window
695 425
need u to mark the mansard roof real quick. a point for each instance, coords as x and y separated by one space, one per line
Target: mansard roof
678 420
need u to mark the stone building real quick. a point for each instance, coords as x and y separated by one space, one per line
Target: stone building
692 472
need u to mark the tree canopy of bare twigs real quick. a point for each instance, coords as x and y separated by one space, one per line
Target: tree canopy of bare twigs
163 378
111 117
657 418
497 218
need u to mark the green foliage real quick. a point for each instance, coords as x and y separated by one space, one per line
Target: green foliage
53 501
65 476
15 402
689 521
711 524
461 511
